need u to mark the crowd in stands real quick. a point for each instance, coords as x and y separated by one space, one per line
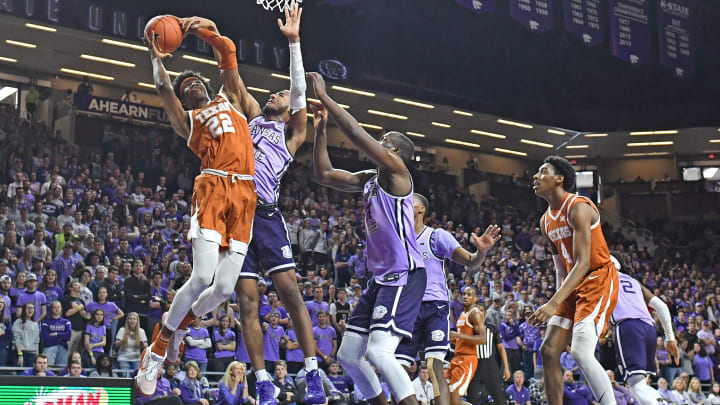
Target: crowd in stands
93 247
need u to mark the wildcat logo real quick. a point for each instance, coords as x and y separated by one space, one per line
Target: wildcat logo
534 25
634 59
587 38
477 5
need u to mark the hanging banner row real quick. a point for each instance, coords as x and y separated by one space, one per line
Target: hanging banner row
624 23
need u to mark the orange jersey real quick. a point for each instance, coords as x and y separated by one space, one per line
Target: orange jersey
220 137
559 231
466 328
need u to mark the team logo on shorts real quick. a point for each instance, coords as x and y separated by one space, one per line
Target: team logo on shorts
286 252
437 335
379 312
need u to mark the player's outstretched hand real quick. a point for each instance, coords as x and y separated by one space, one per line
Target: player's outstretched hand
291 27
191 25
488 239
153 47
543 314
672 349
318 83
320 116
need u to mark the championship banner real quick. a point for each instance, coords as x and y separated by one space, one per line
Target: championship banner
34 390
674 26
586 20
630 31
535 15
478 6
121 109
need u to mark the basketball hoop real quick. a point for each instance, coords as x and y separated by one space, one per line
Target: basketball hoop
279 4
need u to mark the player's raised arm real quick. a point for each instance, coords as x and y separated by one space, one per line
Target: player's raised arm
323 171
173 107
474 260
663 313
380 155
296 128
224 49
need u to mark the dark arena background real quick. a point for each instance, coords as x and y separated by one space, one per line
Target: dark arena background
96 209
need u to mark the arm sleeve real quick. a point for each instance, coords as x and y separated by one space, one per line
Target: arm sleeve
442 244
664 314
297 79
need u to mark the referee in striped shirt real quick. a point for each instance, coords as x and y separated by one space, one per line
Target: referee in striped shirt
488 369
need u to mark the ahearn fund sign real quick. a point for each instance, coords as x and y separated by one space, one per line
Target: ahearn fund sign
51 391
121 109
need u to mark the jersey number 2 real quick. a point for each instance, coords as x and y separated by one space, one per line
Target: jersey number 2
220 124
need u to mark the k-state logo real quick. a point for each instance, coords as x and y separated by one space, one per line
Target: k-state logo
437 335
333 69
379 312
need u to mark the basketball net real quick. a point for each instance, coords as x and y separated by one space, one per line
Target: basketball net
279 4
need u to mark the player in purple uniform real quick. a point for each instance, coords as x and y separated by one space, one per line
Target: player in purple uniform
635 337
387 309
432 327
277 131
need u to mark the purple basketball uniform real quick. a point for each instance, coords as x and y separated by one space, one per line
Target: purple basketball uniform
269 249
635 334
432 326
392 299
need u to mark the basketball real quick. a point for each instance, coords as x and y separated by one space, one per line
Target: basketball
166 31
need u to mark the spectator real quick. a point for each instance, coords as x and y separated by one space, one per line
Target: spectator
702 365
295 359
512 341
325 339
26 336
714 397
568 363
191 391
694 394
95 338
31 294
622 394
273 333
129 343
317 305
574 393
288 392
56 332
158 300
164 390
233 388
39 367
112 314
137 293
85 88
197 341
340 311
274 306
225 344
103 367
537 391
50 287
423 387
5 333
669 396
74 310
517 393
679 388
75 370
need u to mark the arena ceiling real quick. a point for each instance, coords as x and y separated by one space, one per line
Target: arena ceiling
486 123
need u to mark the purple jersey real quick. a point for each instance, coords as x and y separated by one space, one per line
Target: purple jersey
36 298
271 342
224 339
630 303
109 309
436 245
324 338
314 307
96 333
390 228
272 158
295 355
196 353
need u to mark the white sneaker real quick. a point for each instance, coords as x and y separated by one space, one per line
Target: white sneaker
173 349
147 376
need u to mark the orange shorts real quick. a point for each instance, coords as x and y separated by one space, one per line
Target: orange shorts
461 371
223 211
593 300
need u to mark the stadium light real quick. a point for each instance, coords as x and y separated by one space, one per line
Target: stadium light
513 123
463 143
389 115
124 44
88 74
556 132
464 113
279 76
22 44
353 91
659 143
258 89
345 106
106 60
5 59
715 141
200 60
647 154
440 124
595 135
416 134
370 126
485 133
576 156
669 132
510 151
40 27
148 85
577 146
413 103
536 143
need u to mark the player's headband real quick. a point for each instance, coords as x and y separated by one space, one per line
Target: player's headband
182 85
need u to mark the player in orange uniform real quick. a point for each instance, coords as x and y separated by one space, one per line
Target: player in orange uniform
470 333
224 197
587 279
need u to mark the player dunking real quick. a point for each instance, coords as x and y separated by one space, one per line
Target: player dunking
589 290
224 197
432 327
277 132
635 336
470 333
387 309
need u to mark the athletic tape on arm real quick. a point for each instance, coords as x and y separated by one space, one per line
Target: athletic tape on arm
297 79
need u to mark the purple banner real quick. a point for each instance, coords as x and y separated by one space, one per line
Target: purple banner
629 31
585 20
674 26
478 6
535 15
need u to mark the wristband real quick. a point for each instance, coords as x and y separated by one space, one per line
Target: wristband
224 46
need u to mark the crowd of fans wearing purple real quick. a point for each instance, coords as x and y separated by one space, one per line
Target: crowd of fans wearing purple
93 246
